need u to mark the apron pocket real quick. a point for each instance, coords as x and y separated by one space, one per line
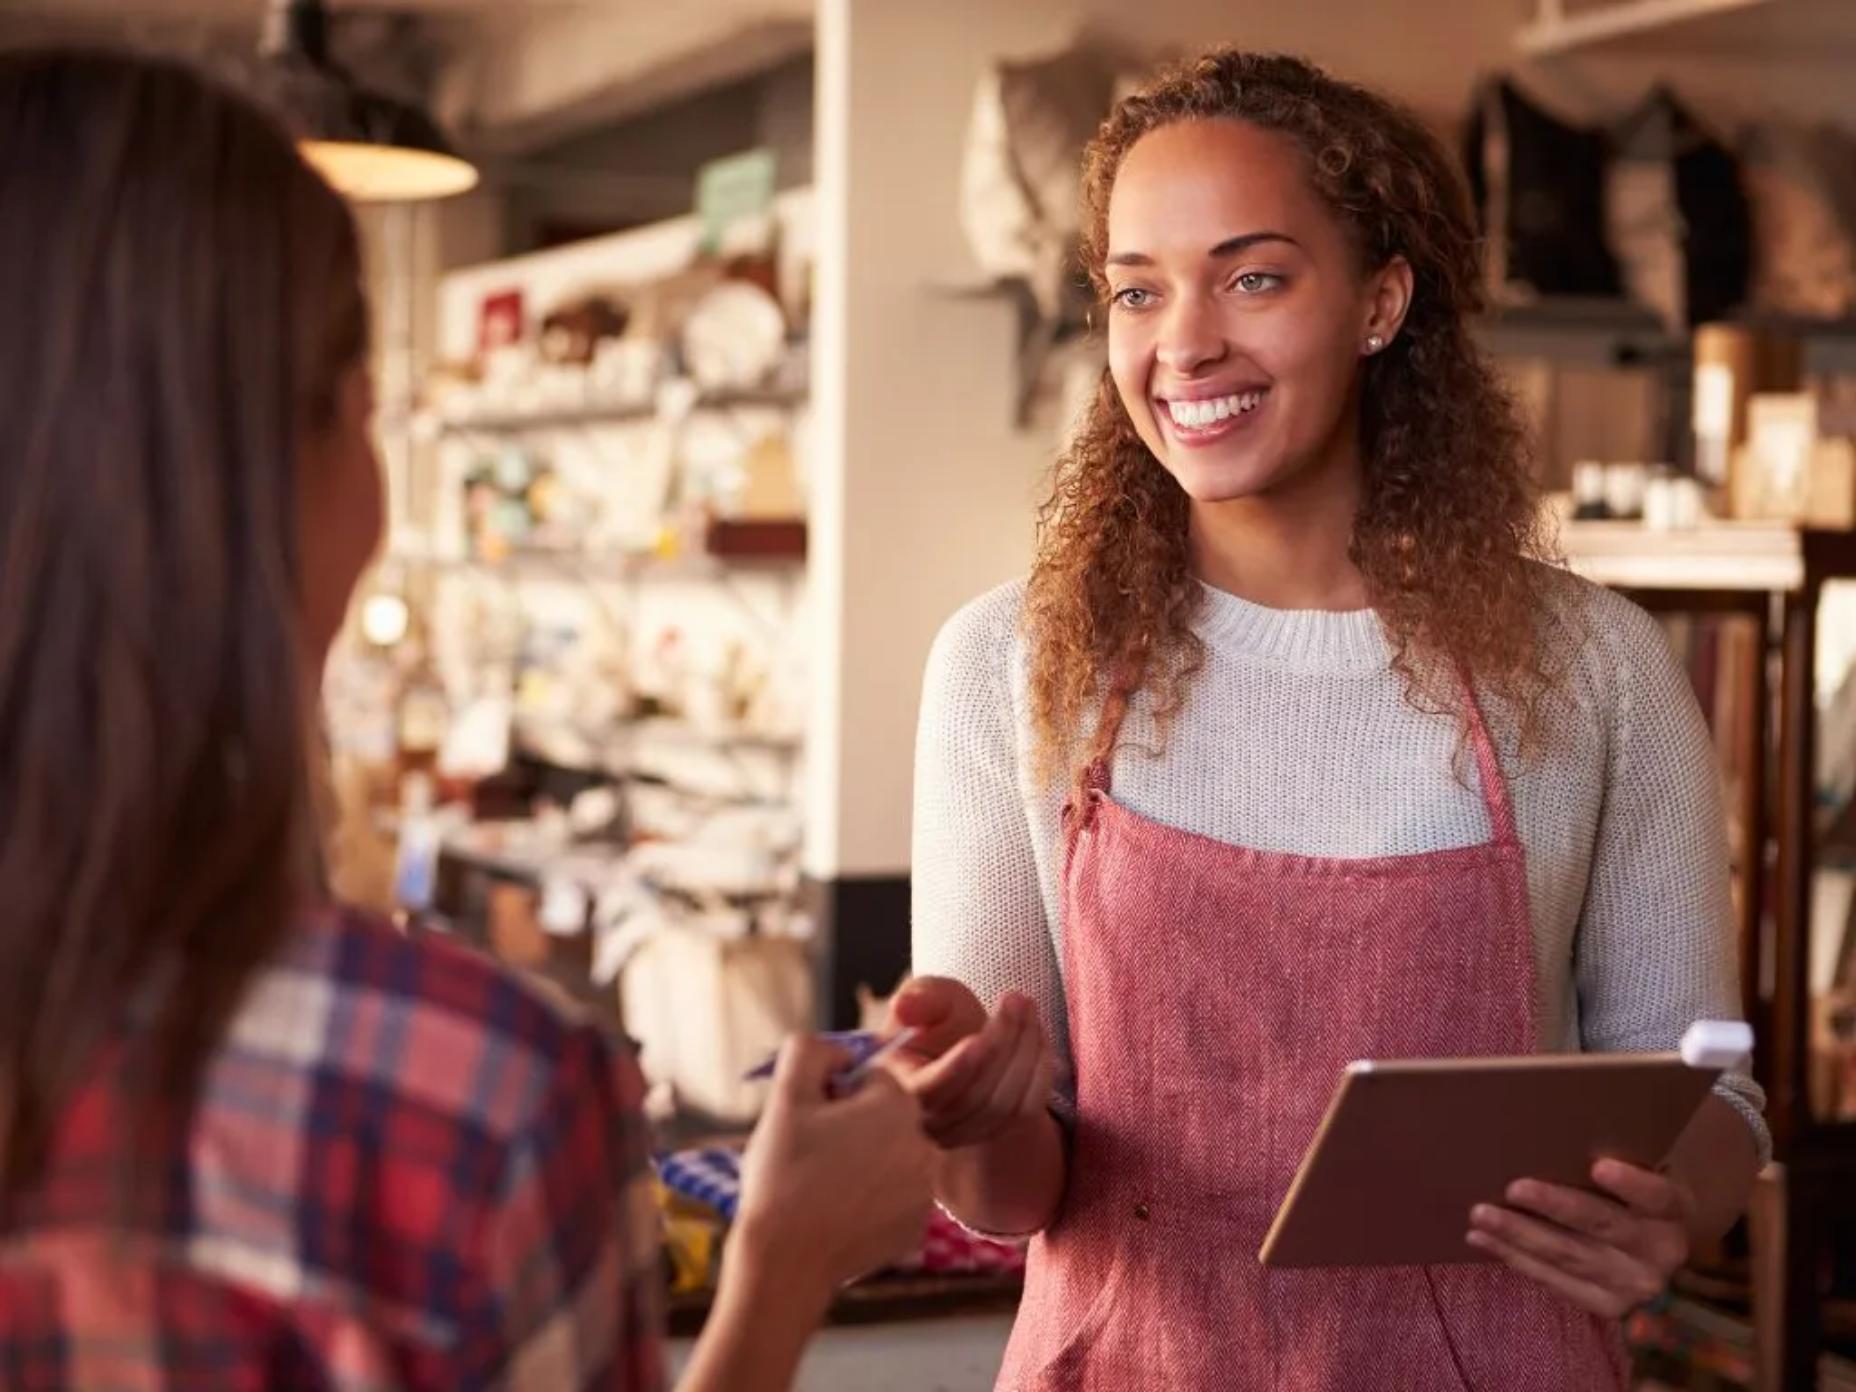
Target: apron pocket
1060 1342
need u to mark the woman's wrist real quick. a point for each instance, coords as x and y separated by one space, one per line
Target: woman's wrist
1010 1184
767 1305
782 1273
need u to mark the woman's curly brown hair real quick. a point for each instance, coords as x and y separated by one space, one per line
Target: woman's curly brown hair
1448 523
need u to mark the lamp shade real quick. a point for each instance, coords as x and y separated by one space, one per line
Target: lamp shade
369 146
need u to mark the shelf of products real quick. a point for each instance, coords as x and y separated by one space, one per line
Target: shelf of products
1774 578
584 714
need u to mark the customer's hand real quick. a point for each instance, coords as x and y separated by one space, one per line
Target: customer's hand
974 1077
832 1189
1607 1253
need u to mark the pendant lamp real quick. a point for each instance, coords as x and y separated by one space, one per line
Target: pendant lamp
369 146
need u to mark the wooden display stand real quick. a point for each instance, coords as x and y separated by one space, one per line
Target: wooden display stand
1776 577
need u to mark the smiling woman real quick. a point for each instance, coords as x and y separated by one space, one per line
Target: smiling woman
1260 230
1290 752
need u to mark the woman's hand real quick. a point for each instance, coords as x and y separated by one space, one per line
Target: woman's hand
1607 1253
829 1190
975 1077
832 1189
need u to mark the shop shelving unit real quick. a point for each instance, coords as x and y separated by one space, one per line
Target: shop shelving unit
1776 577
1560 29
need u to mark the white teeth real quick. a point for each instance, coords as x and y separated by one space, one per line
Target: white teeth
1196 415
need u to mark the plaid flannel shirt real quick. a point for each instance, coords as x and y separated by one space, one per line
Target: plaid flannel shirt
408 1169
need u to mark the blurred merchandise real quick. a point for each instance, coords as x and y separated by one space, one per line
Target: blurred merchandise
1539 188
1802 181
1624 490
1020 175
733 336
415 874
1833 1055
1677 217
574 332
706 1006
1588 490
1790 469
1731 363
423 716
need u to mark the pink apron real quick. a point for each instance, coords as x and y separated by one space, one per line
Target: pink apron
1215 994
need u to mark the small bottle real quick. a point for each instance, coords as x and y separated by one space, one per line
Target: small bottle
1588 491
1624 489
1659 502
563 912
415 868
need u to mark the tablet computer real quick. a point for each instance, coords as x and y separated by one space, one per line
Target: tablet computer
1408 1148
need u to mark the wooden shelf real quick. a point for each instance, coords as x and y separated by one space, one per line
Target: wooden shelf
1730 556
613 566
1618 333
1717 558
654 734
1613 333
588 417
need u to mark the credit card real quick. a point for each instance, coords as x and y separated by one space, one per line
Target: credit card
865 1047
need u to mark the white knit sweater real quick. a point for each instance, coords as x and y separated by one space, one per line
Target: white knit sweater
1296 737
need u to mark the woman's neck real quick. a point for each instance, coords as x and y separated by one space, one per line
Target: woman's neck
1287 549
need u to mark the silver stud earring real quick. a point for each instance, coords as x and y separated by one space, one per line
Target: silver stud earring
1374 343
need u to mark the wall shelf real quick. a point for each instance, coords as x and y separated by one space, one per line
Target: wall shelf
1738 556
537 565
1772 29
587 417
1603 332
1556 30
1618 333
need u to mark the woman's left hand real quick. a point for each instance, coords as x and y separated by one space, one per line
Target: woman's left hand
1607 1253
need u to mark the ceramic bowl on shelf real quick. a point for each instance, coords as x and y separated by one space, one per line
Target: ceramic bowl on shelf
734 337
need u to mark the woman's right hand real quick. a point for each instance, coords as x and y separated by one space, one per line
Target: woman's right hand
975 1077
832 1189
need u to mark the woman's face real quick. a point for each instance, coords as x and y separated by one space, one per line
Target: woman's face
1239 312
340 509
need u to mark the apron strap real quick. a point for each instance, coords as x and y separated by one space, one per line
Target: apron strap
1489 768
1096 775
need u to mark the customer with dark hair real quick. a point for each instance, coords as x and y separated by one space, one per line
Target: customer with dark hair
247 1138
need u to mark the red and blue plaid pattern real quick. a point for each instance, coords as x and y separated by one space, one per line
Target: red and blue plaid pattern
409 1169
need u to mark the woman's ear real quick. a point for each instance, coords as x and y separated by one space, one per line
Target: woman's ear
1389 299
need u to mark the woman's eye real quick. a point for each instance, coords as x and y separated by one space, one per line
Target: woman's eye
1256 282
1133 297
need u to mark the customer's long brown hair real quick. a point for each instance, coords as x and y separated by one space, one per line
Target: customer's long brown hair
1447 521
181 296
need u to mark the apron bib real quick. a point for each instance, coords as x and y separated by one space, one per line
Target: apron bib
1215 994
